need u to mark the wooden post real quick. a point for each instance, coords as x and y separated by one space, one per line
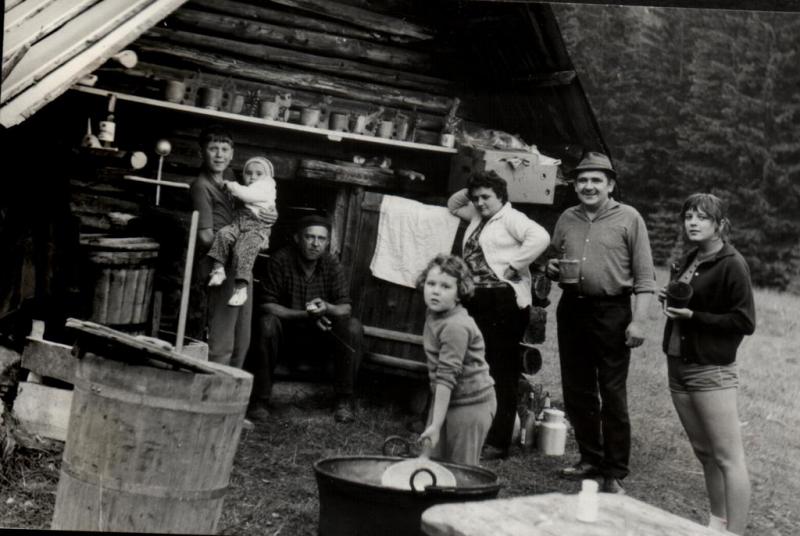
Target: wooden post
187 279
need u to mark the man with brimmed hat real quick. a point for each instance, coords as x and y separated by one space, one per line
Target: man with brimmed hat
303 311
596 325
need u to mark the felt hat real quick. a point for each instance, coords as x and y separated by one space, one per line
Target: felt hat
312 219
594 161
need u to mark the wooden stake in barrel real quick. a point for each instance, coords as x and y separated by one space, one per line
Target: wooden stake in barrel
187 279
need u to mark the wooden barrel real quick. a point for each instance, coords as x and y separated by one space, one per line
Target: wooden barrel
149 448
120 280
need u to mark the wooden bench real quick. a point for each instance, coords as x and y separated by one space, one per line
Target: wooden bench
390 364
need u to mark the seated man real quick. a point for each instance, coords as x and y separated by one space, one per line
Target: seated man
303 311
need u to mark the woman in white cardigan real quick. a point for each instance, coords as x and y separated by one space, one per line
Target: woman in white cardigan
499 245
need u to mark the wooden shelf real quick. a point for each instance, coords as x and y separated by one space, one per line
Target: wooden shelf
331 135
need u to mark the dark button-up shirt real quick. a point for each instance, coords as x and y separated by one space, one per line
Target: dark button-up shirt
613 250
284 282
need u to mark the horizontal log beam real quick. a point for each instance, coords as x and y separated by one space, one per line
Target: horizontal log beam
336 66
300 98
360 17
389 182
184 153
294 38
266 14
325 84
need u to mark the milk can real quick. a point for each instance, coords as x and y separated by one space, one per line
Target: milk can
552 433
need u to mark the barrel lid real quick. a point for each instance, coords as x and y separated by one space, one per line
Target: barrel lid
126 243
112 344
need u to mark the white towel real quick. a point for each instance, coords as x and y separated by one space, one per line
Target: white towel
410 234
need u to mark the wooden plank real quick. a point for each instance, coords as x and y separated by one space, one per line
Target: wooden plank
383 305
56 82
380 94
329 134
331 45
351 241
34 19
360 17
43 410
95 337
396 362
338 221
337 66
70 40
19 13
392 335
553 514
11 4
12 61
49 359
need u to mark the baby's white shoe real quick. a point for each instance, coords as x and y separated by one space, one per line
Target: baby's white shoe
217 277
239 297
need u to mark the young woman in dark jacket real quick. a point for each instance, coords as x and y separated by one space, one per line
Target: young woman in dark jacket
700 341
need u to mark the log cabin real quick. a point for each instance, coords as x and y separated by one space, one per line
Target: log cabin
90 87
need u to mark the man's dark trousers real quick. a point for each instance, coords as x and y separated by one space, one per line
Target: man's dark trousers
594 368
293 341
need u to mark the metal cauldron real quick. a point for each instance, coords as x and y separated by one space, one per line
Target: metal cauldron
352 501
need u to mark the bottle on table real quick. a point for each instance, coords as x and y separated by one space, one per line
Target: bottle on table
529 427
587 502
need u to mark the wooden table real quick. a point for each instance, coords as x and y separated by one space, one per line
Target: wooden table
553 514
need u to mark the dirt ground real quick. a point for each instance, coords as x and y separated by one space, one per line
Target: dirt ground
273 489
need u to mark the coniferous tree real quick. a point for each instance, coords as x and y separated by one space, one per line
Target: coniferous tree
692 100
730 136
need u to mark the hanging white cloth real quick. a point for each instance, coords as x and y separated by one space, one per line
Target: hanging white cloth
410 234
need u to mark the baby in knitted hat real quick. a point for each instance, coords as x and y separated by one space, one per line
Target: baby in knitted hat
247 234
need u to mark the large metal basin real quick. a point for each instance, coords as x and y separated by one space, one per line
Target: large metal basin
353 502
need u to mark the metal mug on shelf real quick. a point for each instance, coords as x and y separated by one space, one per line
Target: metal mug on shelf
174 91
339 121
269 110
310 116
237 103
209 98
358 124
401 129
386 129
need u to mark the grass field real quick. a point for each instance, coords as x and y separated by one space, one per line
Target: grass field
273 490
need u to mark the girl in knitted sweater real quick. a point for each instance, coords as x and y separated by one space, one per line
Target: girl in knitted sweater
463 403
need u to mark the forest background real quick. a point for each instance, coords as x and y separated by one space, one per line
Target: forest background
693 100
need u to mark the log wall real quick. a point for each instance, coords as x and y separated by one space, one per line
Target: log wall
416 59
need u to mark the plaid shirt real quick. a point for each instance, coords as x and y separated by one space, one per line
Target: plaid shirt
284 282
